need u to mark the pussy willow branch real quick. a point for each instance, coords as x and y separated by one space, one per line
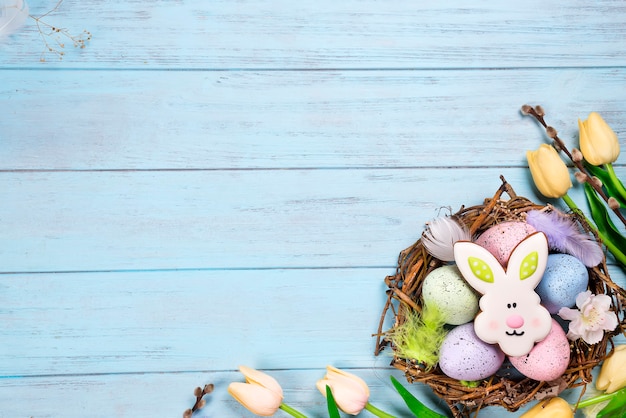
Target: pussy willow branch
560 145
200 402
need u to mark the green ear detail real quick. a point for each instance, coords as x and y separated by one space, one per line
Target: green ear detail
480 269
529 265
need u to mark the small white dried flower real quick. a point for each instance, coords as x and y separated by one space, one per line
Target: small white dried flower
539 110
440 236
613 203
526 109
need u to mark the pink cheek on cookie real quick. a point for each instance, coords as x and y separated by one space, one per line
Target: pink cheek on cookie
494 325
536 323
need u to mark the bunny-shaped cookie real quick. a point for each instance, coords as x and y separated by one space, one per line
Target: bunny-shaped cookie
512 315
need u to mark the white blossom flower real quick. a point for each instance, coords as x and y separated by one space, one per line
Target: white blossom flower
591 319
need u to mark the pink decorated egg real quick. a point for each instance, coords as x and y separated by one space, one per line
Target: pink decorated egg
548 359
464 356
501 239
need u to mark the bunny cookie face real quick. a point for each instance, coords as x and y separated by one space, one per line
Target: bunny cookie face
512 315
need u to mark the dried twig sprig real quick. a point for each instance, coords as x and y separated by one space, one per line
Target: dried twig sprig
538 113
54 37
200 402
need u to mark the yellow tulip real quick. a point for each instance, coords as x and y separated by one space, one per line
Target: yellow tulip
350 392
598 142
261 394
549 172
552 408
612 375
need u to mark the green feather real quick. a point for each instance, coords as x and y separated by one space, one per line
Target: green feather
420 336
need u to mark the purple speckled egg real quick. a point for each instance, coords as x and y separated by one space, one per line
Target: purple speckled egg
564 278
501 239
548 359
464 356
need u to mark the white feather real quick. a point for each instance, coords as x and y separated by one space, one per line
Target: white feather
13 14
440 236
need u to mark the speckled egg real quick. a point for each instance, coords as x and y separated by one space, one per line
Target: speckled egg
445 288
464 356
548 359
564 278
501 239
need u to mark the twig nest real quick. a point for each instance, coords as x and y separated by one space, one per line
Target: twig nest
552 364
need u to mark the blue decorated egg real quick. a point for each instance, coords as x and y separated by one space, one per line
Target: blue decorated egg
464 356
564 278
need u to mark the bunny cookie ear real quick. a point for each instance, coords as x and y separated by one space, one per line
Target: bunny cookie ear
477 265
528 260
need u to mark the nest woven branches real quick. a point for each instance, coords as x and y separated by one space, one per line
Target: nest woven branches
404 296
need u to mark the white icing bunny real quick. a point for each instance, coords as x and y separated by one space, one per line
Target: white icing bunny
512 315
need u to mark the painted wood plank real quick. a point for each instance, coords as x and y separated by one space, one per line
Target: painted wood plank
169 394
327 34
99 323
85 221
105 343
59 324
83 120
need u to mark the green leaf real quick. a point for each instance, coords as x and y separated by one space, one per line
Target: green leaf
605 225
419 409
616 408
612 184
333 411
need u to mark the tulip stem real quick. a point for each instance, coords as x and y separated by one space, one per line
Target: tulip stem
291 411
617 253
595 400
377 412
615 180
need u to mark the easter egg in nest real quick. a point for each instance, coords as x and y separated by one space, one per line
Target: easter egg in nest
445 288
502 238
548 359
564 278
464 356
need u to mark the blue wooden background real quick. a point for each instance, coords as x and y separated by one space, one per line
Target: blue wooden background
215 183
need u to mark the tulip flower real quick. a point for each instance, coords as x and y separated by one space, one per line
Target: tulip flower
351 393
612 375
552 408
261 394
598 142
549 172
599 146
